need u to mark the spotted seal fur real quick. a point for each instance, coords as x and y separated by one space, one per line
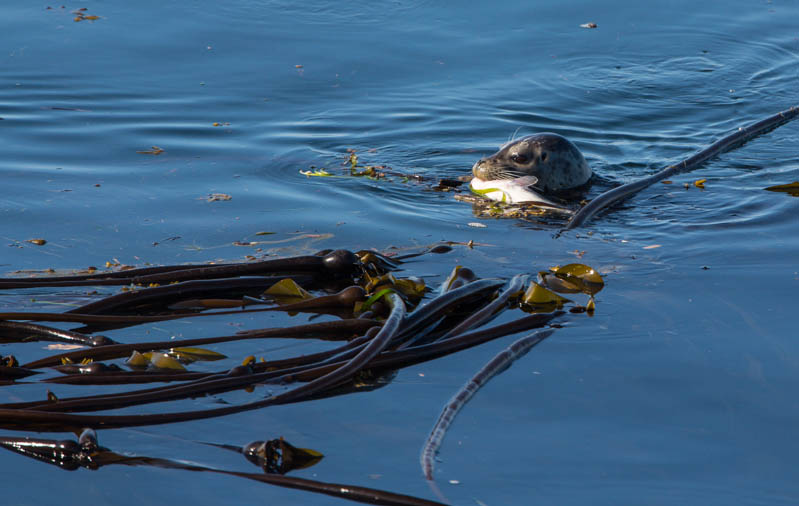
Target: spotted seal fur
553 160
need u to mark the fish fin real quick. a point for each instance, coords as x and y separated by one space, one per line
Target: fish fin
526 181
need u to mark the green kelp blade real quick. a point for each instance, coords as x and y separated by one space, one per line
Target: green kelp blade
316 173
791 189
582 276
374 298
484 193
368 172
195 354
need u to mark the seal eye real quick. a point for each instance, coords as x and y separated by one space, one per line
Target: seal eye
517 158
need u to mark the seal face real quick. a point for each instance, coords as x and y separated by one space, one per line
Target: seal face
554 160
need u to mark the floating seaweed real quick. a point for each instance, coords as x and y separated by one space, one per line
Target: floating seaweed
275 457
499 363
740 136
791 189
386 322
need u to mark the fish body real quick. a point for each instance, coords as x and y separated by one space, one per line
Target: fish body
509 191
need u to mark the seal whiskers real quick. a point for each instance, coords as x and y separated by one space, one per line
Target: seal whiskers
553 160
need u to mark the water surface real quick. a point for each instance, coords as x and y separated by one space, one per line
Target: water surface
680 390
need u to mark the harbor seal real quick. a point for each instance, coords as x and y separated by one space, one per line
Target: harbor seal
553 160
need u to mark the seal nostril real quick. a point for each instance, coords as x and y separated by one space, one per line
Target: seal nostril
544 156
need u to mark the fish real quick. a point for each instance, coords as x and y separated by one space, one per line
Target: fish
510 191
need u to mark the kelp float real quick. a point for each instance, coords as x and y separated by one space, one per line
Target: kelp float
384 323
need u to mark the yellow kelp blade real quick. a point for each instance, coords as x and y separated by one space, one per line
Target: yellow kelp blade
286 291
557 284
316 173
411 287
582 276
193 354
137 360
163 361
487 191
375 284
537 295
154 360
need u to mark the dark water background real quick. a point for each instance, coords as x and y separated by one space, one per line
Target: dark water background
680 390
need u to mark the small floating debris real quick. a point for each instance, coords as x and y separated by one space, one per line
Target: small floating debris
37 242
214 197
476 224
154 151
700 183
588 25
80 15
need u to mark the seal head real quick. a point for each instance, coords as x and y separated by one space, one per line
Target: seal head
552 159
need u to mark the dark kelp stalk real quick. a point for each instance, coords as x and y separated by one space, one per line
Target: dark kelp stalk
383 324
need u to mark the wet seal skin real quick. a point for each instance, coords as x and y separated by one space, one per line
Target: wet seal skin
551 158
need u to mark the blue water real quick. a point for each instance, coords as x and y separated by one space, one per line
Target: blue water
680 390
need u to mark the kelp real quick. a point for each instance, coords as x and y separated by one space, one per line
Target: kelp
737 138
791 189
499 363
276 457
387 322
